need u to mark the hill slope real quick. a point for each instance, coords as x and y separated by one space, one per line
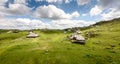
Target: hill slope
55 48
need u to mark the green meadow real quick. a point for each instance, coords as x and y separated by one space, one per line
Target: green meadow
53 46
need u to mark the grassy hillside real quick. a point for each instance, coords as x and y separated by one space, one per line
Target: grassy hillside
52 47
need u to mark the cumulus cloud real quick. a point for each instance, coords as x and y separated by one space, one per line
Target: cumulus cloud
3 14
95 11
21 23
62 24
103 5
2 2
109 3
75 14
52 12
84 14
55 1
113 6
82 2
14 9
25 24
114 13
67 1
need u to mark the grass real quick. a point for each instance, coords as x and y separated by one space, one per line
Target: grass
53 47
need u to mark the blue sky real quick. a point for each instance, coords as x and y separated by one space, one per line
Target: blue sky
56 14
66 7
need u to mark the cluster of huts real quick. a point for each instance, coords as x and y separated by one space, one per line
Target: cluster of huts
75 37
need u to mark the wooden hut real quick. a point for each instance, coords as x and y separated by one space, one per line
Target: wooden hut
77 38
32 35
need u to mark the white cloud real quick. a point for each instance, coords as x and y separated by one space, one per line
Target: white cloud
24 23
55 1
50 1
62 24
103 5
2 2
95 11
3 14
109 3
114 13
75 14
67 1
21 23
14 9
82 2
52 12
84 14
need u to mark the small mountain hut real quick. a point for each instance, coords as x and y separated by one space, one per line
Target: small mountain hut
32 35
77 38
